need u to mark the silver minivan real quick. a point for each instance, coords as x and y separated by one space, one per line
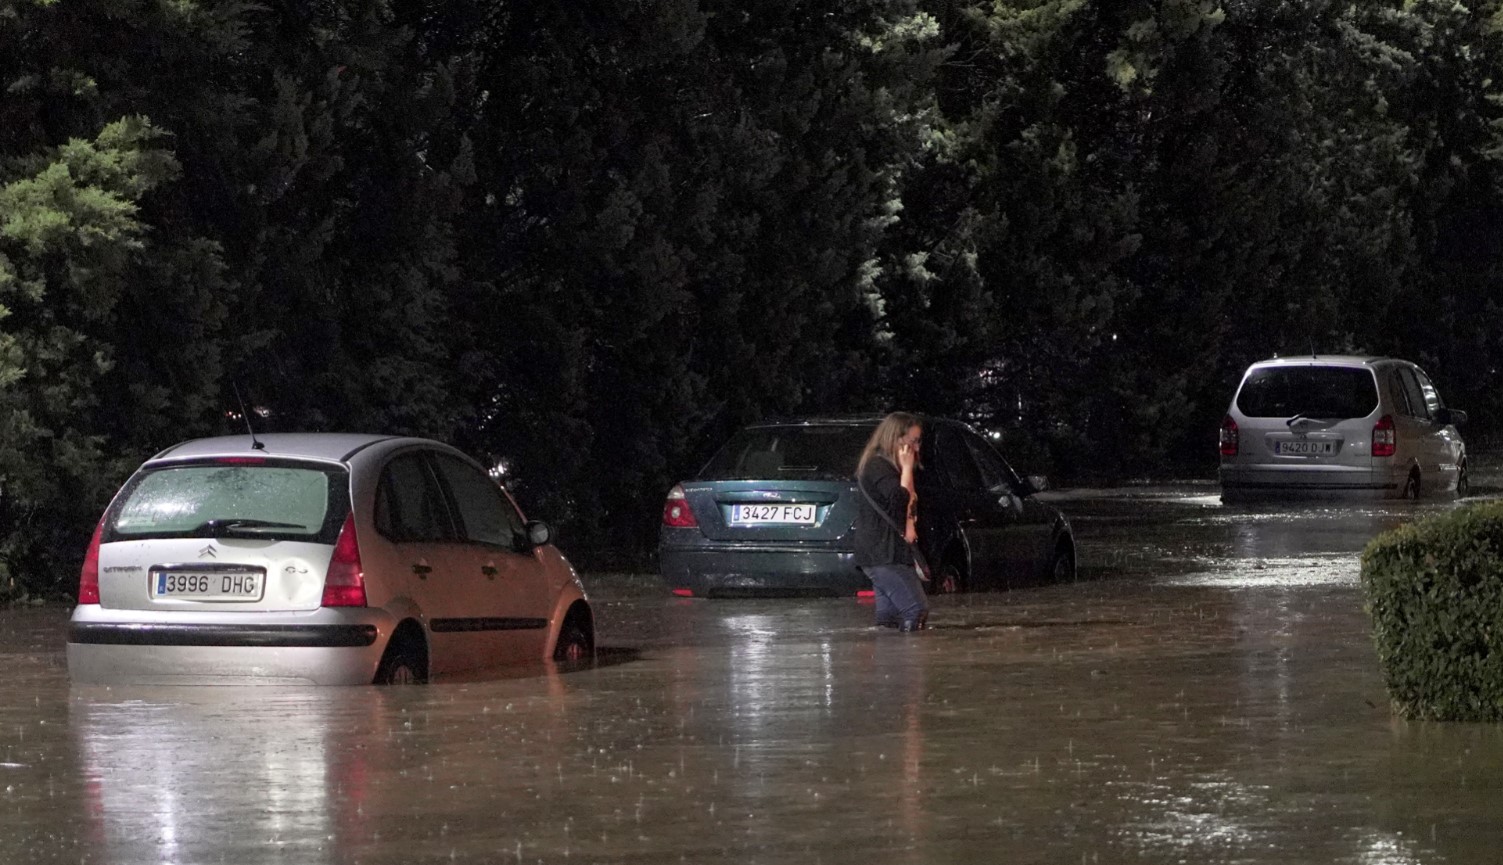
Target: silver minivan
318 558
1340 425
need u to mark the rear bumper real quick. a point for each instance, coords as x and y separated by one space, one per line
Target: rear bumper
1249 481
325 647
762 570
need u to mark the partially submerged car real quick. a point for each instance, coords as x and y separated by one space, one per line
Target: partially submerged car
1340 425
319 558
772 513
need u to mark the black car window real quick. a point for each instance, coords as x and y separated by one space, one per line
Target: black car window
1400 393
1418 405
792 451
485 514
409 504
956 465
995 472
1338 392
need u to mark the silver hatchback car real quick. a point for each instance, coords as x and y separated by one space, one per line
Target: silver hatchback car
1334 424
318 558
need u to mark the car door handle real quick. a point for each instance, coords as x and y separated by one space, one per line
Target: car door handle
422 570
488 570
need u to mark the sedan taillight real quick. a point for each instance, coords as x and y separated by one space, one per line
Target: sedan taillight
676 511
1384 443
1229 437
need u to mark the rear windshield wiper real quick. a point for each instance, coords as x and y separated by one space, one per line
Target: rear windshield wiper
231 524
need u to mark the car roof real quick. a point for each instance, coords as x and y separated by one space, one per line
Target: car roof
329 447
1325 360
820 420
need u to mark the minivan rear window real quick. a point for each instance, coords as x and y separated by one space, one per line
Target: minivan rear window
824 451
271 500
1336 392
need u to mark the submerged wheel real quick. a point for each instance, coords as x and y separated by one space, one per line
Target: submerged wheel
574 645
1412 486
1063 568
948 580
405 663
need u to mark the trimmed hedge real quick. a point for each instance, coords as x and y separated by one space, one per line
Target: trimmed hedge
1435 594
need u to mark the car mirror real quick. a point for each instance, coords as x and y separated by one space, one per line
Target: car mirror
1010 501
1039 483
538 533
1452 416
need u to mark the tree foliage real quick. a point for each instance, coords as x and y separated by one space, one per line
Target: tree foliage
586 242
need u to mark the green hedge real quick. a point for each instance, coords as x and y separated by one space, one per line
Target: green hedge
1435 594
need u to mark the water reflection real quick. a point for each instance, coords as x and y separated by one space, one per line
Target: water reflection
169 770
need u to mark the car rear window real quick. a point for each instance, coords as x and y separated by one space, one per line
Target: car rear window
1310 391
793 451
248 498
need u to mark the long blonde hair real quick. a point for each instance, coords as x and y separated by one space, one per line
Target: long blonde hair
885 438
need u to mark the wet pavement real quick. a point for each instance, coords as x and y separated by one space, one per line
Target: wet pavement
1206 693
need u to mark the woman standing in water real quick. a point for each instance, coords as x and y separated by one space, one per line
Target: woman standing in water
884 551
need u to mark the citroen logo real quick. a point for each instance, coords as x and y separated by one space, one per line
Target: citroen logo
208 553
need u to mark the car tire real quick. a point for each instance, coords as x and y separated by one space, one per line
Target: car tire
948 580
1463 482
1062 567
1412 487
405 663
574 646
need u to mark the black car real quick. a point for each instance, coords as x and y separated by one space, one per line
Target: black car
772 513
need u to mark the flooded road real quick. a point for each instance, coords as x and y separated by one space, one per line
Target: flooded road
1206 693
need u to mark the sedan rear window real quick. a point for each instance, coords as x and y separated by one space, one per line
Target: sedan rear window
794 451
1310 391
248 499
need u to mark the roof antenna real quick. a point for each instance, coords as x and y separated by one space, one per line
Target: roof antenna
255 444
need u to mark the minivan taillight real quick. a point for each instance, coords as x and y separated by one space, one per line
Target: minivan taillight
344 586
676 511
1383 437
88 577
1229 437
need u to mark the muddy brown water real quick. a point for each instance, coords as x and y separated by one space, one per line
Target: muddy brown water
1206 693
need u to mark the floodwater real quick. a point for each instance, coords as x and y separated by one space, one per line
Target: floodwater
1206 693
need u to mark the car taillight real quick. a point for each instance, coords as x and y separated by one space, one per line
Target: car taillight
1229 437
676 511
88 577
1383 437
345 584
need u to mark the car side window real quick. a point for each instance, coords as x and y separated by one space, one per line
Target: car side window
485 514
1432 396
1400 394
1418 406
995 472
409 504
955 461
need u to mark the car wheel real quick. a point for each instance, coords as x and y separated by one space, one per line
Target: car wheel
1463 483
1412 487
948 580
574 645
405 663
1062 570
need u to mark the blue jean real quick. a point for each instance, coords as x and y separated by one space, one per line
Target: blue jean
900 596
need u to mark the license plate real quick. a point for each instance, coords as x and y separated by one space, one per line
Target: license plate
208 585
1305 448
773 514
